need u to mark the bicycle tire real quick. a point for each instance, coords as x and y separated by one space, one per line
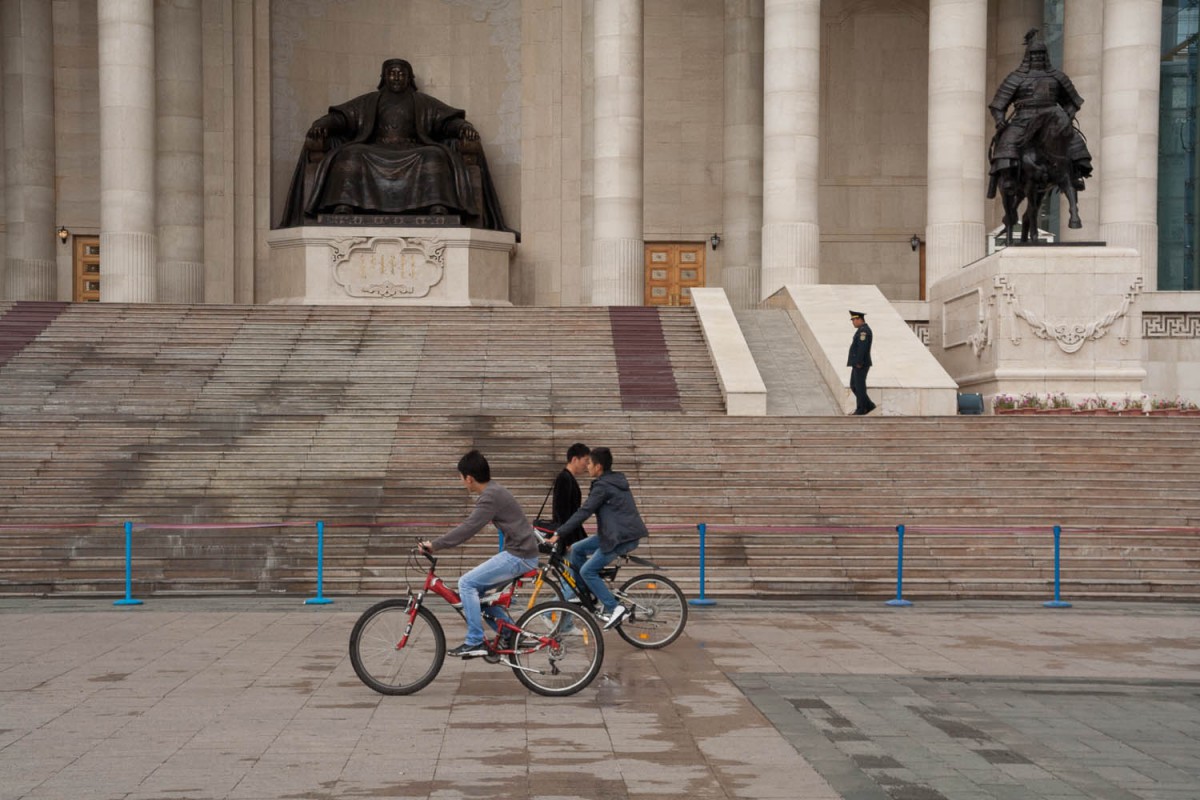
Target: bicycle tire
569 662
658 611
383 666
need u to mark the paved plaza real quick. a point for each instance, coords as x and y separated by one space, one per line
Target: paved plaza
256 698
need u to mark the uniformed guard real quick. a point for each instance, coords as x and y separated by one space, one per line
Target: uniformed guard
859 363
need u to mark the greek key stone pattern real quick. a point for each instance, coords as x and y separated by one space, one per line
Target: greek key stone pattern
928 738
921 329
1170 325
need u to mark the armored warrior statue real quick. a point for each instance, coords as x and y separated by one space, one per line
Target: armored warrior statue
1038 147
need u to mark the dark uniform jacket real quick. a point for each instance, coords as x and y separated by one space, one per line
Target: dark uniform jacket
860 347
616 513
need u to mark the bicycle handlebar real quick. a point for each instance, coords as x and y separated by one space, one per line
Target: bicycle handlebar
429 556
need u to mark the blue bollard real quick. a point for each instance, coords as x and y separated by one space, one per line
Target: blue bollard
702 600
320 599
1057 602
899 600
129 599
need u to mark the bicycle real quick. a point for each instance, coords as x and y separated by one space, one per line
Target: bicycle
398 646
657 609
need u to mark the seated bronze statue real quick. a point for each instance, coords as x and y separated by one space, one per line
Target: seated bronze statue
393 151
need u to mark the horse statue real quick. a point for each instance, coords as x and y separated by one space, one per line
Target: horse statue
1038 148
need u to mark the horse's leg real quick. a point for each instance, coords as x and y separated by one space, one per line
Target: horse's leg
1067 187
1011 200
1029 225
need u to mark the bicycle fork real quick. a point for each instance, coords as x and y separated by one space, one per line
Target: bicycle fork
414 603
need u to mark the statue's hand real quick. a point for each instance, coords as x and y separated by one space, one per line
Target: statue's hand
317 138
468 134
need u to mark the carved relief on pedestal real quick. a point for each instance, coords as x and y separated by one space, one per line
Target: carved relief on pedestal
387 266
967 319
1069 336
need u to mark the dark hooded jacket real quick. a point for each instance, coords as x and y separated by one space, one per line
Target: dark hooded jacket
617 517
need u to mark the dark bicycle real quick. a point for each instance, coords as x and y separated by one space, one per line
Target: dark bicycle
657 608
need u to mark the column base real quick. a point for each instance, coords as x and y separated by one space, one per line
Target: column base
791 253
618 267
129 267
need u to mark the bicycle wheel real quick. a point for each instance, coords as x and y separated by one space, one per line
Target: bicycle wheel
657 611
378 658
551 660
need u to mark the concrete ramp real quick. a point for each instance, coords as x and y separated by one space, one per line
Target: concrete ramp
906 379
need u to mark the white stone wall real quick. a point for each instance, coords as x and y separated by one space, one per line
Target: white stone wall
1171 344
874 61
76 127
684 107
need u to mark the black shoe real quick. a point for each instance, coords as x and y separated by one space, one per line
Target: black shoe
465 650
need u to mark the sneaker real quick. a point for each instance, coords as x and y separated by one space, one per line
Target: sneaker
505 642
613 619
465 650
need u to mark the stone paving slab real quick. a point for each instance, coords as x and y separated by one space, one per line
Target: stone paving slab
252 698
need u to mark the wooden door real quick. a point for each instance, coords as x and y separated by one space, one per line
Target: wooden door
673 269
87 270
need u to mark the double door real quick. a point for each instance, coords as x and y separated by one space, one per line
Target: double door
87 270
673 269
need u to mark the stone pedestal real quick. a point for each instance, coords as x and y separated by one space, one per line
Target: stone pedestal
1042 320
335 265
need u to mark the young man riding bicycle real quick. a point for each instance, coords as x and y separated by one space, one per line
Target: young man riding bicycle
620 529
497 506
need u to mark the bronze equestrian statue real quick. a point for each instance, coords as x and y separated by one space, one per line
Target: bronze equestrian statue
394 151
1039 148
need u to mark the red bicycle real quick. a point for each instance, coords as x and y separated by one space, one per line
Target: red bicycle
398 646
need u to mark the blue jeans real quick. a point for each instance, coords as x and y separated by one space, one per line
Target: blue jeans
498 569
587 559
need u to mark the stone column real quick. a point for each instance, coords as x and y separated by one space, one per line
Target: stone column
1083 24
617 246
1129 129
955 232
791 234
128 244
180 173
743 178
28 46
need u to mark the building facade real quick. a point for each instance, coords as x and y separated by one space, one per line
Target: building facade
640 146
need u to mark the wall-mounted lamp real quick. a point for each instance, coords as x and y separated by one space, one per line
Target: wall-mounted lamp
915 242
63 234
715 240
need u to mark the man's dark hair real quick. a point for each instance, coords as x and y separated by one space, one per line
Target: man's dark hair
603 457
576 450
474 465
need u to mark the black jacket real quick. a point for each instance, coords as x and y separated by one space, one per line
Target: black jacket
860 347
566 500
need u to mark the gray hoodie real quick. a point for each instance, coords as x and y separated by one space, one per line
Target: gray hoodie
616 513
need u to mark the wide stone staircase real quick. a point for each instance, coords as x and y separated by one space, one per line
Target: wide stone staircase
224 433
